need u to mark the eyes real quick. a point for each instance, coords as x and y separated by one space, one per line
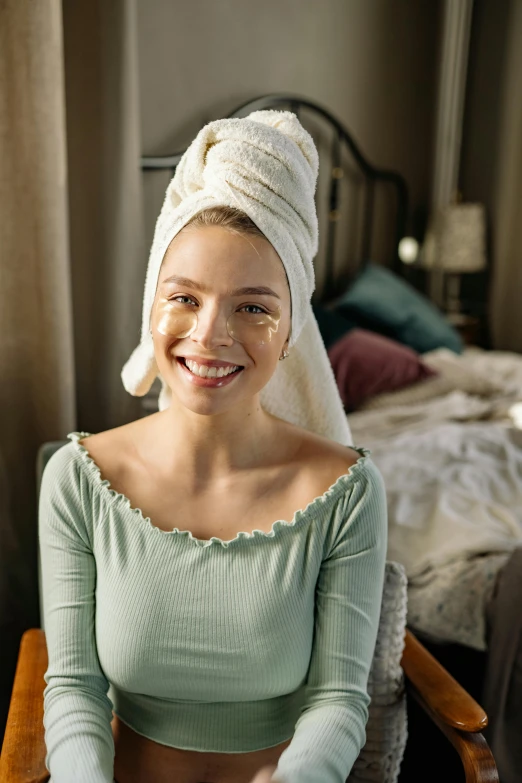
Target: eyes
253 309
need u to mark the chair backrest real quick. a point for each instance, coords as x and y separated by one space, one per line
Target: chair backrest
386 731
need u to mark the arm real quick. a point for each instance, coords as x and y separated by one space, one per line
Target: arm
77 710
331 729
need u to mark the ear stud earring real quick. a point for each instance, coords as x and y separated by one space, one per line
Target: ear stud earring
283 355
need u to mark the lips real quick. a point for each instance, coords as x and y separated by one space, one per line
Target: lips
197 380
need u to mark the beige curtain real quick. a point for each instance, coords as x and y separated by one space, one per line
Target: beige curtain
108 259
72 261
507 198
37 383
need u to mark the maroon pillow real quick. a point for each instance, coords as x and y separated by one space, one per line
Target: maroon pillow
366 364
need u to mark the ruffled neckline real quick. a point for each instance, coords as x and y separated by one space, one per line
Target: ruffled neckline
117 498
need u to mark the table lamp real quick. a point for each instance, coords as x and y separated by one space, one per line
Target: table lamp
454 245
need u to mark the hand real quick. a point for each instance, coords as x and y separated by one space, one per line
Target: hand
264 775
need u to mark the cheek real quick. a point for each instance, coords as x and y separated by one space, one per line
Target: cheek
163 345
161 328
265 359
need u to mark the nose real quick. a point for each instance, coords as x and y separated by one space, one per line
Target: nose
211 331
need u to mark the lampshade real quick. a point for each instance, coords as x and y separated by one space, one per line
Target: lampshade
455 241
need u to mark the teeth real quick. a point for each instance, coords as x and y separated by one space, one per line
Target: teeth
204 371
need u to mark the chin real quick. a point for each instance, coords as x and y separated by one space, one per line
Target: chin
212 402
204 407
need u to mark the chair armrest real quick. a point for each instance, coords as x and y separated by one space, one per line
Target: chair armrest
23 749
441 692
451 708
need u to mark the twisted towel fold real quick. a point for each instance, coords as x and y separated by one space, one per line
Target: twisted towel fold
266 165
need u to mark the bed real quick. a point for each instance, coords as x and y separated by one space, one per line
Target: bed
440 418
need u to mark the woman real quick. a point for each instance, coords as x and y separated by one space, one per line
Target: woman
192 638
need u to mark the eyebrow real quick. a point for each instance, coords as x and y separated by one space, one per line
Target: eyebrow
262 290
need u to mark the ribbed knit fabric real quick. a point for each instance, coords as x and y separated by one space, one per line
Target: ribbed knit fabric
225 646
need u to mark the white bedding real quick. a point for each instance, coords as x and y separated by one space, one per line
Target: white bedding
451 459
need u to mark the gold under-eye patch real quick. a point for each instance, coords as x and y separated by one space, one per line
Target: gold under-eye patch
178 319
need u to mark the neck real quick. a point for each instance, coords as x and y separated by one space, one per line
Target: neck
208 447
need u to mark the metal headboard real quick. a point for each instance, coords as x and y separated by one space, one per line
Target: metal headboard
339 142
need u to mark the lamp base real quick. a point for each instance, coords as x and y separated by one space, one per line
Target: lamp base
468 326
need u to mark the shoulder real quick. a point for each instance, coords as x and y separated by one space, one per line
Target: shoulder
61 467
66 472
360 494
114 450
318 451
334 456
61 502
322 461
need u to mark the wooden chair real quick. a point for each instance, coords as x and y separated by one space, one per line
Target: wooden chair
448 705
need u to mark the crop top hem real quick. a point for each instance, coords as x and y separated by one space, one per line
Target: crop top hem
211 727
199 750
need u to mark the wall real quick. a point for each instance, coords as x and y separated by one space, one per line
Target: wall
370 62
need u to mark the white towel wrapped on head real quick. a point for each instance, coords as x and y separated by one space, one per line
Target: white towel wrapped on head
266 165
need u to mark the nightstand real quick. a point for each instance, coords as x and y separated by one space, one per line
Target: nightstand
469 327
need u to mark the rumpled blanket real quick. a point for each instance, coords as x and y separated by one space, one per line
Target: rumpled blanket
452 463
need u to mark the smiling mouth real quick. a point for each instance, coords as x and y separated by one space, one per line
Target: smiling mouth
209 371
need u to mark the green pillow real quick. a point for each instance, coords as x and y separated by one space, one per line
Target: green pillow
332 324
380 301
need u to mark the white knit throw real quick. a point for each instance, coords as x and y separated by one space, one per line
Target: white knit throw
266 165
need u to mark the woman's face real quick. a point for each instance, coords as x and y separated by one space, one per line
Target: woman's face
222 302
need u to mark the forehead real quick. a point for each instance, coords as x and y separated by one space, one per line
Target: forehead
213 254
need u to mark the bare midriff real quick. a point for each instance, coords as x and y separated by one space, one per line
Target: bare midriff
141 760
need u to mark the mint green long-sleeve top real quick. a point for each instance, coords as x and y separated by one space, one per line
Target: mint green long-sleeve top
223 646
